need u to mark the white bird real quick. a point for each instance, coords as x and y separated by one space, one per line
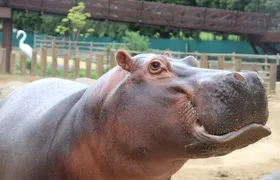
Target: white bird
24 47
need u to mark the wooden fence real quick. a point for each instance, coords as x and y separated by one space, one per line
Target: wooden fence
75 48
243 63
94 66
42 65
83 48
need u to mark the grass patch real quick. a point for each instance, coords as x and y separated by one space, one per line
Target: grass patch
59 72
210 36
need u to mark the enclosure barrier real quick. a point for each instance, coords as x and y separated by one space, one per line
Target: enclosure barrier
83 48
94 66
42 65
235 62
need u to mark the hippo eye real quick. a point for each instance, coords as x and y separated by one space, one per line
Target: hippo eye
155 67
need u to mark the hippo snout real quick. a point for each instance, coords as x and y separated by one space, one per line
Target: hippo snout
228 101
250 79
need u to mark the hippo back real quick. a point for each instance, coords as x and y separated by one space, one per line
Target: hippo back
41 106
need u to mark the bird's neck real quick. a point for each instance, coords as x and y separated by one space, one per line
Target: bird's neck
23 38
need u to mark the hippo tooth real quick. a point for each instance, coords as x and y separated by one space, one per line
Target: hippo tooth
191 107
189 104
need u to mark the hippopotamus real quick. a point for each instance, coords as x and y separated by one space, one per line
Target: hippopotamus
142 120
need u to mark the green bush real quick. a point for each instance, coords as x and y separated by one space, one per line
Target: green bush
135 42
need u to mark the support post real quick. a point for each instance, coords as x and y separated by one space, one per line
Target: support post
273 77
7 41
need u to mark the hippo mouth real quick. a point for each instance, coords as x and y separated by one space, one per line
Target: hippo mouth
253 130
218 144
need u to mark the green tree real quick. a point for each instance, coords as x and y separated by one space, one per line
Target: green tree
50 23
135 42
27 21
75 22
272 7
109 29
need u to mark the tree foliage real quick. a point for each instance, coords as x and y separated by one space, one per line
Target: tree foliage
75 23
272 6
134 41
108 29
27 21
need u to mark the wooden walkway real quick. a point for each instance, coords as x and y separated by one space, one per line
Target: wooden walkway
158 14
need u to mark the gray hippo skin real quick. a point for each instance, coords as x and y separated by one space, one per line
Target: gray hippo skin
273 176
142 120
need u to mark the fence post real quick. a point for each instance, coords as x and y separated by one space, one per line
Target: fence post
112 59
196 54
23 64
278 59
233 60
266 63
53 44
54 61
35 42
33 63
273 77
76 68
13 63
66 65
233 57
3 54
91 46
88 67
204 61
237 65
100 65
221 62
76 51
43 61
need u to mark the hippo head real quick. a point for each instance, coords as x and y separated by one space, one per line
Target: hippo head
171 107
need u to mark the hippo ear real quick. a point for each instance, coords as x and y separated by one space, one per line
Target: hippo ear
124 60
191 61
168 54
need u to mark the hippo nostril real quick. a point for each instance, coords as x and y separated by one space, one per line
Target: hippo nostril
238 76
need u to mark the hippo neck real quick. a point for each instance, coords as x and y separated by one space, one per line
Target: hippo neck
98 113
97 94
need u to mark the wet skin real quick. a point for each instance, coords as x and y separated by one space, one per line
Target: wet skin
142 120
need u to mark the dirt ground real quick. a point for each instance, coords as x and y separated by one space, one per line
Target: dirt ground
250 163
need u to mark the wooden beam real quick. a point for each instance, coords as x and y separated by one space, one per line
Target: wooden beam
5 13
7 41
132 11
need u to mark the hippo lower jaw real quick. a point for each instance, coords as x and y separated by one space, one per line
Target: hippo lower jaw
254 131
210 145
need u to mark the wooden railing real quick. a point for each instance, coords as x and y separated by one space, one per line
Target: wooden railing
54 65
158 14
82 48
94 66
243 63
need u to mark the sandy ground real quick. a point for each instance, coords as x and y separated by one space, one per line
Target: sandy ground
250 163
